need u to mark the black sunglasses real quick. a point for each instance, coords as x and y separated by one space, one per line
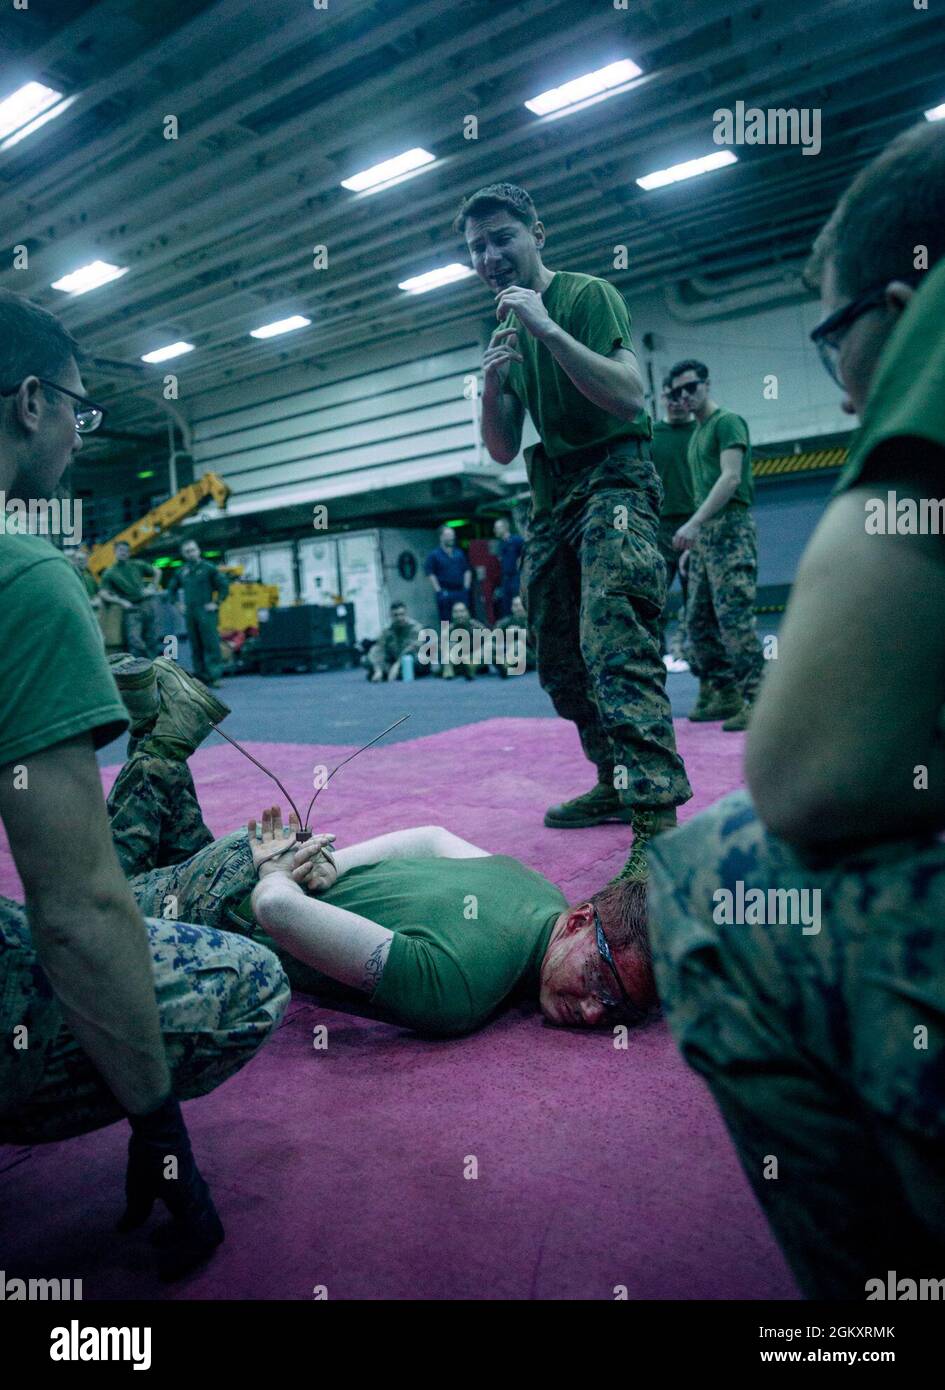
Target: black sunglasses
676 393
630 1012
830 332
88 415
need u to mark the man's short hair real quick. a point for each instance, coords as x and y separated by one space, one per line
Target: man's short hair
398 604
496 197
689 365
127 544
32 341
895 204
622 906
667 383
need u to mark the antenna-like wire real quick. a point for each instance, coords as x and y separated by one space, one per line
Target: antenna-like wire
347 760
304 833
275 779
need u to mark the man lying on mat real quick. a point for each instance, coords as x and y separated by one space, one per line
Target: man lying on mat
436 932
439 933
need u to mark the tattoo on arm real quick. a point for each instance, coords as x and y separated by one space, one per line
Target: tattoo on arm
374 967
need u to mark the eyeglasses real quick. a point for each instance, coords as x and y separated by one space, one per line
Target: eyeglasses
676 393
630 1012
88 415
830 332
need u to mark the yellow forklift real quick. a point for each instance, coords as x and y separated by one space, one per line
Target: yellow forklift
239 612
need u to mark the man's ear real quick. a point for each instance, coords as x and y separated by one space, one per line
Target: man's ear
27 403
538 232
898 296
579 918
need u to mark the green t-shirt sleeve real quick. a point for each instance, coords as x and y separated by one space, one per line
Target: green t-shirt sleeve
54 678
424 987
434 987
732 433
904 419
600 319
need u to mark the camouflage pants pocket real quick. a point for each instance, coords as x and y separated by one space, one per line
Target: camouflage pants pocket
204 887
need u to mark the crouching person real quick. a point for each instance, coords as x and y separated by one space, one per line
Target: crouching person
799 937
401 639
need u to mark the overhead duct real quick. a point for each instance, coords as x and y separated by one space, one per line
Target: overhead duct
699 298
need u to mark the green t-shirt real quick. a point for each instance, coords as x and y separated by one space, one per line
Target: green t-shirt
127 579
723 430
907 396
594 313
397 639
54 679
670 451
202 583
447 970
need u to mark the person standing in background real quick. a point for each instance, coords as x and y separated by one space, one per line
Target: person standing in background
204 588
130 584
450 574
80 563
510 558
723 569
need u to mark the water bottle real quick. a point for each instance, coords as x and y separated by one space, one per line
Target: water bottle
406 666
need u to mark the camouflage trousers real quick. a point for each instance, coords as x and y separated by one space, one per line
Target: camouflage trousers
720 609
203 633
825 1049
140 629
594 586
219 995
668 526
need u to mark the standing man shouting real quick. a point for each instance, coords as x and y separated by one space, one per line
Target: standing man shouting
593 578
204 588
723 571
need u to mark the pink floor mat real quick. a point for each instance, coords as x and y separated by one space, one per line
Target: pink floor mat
345 1168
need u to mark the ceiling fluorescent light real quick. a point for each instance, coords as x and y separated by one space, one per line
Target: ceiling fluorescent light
389 171
21 134
25 105
272 330
164 354
937 113
593 86
89 277
689 170
433 279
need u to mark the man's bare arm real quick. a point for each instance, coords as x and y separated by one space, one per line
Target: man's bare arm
613 382
502 420
89 935
724 487
419 842
343 945
850 709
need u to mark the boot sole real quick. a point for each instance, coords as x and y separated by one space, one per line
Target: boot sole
575 823
216 709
